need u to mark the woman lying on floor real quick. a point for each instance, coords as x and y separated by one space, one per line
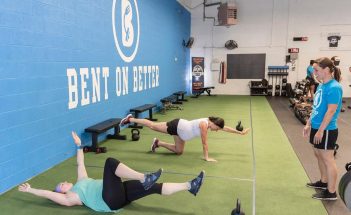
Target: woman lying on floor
110 193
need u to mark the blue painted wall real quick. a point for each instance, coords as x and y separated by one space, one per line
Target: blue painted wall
41 40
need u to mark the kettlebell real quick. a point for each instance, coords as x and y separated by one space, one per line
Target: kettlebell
237 210
135 134
239 127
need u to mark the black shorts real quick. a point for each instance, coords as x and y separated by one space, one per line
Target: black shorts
172 127
328 141
312 82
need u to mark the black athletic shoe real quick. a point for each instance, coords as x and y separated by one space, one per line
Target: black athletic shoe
125 120
196 183
325 195
151 178
317 185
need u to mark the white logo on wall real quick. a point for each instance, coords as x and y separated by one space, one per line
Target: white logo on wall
93 84
197 72
126 28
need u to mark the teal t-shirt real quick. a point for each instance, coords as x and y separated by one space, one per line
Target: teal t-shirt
90 193
327 93
310 70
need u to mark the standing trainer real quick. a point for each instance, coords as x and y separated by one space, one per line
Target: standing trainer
322 127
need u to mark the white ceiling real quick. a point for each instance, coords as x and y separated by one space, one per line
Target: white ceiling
190 4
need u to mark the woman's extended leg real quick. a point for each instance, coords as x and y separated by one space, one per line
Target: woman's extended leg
156 126
135 191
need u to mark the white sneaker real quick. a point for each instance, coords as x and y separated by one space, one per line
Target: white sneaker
125 120
154 145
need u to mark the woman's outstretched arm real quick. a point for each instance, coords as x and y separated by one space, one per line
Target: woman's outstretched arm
59 198
233 130
82 173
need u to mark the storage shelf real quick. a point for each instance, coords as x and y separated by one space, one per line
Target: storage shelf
258 87
278 73
257 94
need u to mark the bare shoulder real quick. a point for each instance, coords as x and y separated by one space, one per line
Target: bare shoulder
203 123
203 126
73 198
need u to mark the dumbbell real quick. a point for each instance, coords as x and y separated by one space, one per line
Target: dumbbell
100 150
277 87
86 149
97 150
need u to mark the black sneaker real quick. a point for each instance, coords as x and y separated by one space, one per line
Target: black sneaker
125 120
151 178
325 195
154 145
317 185
196 183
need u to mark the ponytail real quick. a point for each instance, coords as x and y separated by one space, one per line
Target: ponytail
326 62
336 73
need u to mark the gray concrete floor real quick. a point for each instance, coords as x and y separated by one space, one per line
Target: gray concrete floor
293 129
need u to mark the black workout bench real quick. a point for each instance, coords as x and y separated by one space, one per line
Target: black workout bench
100 128
141 109
181 95
201 90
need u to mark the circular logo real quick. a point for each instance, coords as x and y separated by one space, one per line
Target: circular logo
197 72
317 100
126 28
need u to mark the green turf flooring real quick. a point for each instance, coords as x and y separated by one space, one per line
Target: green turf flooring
280 178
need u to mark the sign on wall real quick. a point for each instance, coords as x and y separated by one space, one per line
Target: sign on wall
126 28
334 39
88 85
197 72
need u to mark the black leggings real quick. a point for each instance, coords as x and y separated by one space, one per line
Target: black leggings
116 193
